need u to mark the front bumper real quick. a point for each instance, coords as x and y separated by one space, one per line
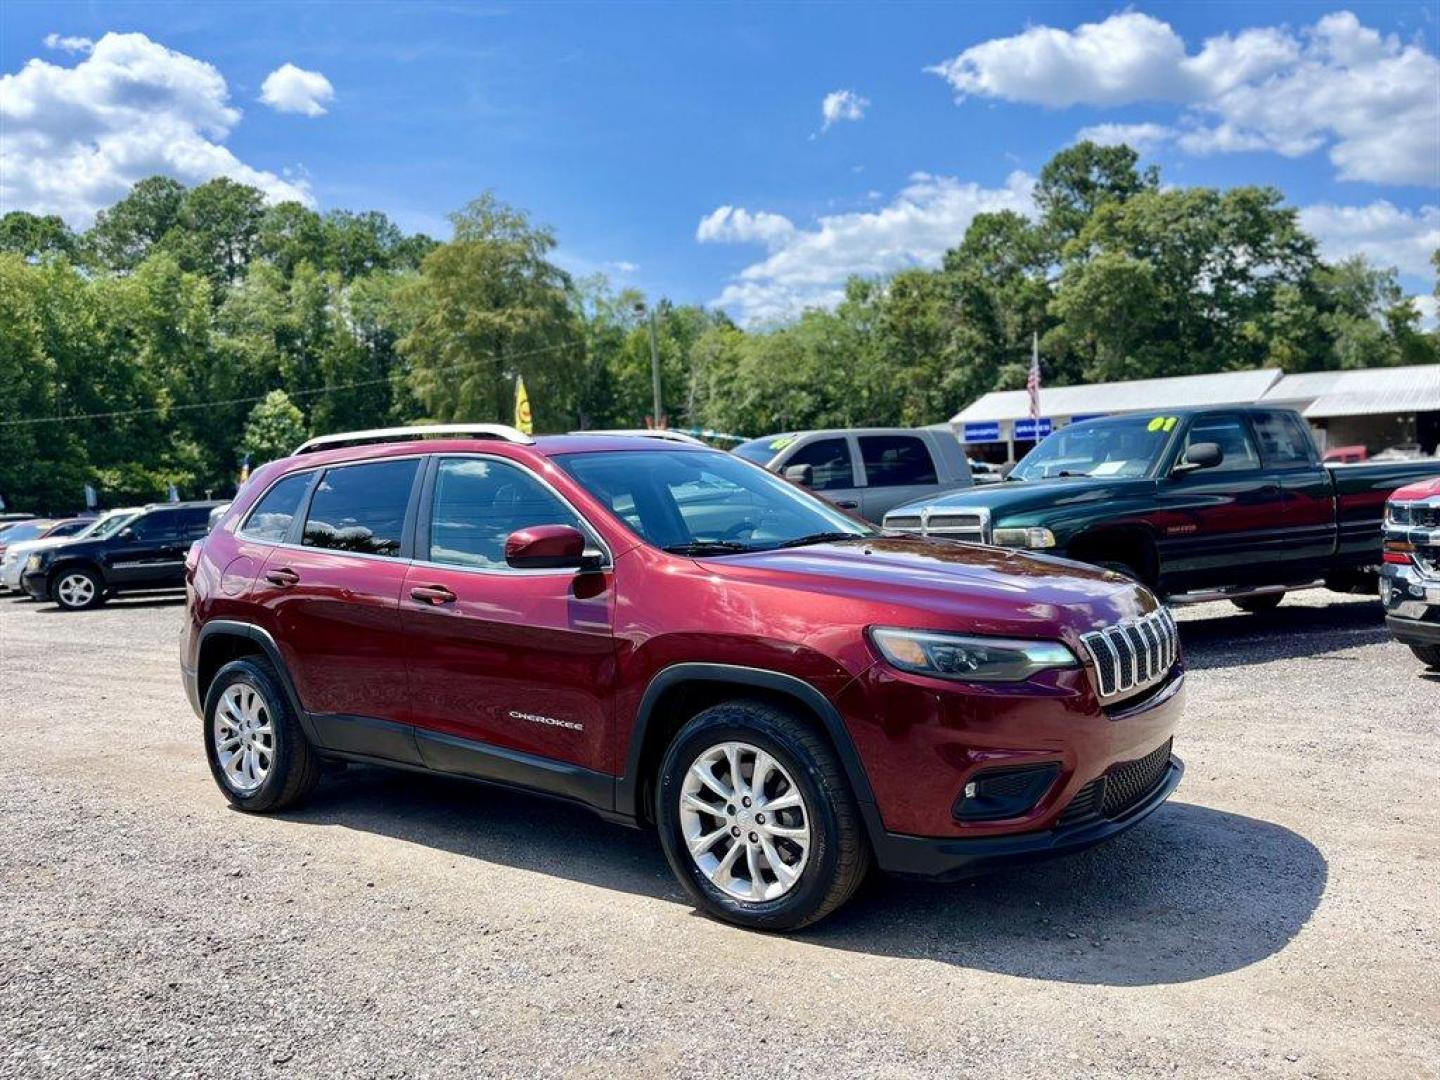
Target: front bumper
951 859
1412 604
36 583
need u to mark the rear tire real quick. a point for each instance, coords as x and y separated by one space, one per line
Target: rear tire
257 750
1429 655
1256 604
77 589
743 875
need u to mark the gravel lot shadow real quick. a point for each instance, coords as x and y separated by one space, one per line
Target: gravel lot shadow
1192 892
118 605
1287 633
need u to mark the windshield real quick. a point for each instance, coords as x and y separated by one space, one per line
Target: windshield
762 450
1127 446
705 503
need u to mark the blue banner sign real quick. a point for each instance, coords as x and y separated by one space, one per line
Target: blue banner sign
982 432
1032 429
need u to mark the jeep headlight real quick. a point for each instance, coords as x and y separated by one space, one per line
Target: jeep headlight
972 659
1032 537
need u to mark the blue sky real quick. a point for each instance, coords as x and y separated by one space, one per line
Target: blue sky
625 127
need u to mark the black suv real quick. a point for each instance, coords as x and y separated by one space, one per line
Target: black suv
147 552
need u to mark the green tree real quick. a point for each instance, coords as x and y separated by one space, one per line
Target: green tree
34 237
487 307
124 235
216 229
273 429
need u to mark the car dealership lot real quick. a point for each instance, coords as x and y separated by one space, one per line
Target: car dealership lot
1280 916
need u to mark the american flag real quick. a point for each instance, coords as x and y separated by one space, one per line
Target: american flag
1032 384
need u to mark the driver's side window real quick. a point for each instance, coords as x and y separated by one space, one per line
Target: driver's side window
478 503
1232 435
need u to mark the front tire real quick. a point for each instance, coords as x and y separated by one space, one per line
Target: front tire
1429 655
1256 604
77 589
757 818
257 750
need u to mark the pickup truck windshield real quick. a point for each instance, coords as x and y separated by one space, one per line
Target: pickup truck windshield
1127 446
706 503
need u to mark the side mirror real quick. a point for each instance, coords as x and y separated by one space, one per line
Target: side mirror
549 547
804 475
1201 455
127 533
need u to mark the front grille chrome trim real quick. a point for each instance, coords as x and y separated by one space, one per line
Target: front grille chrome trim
968 523
1133 655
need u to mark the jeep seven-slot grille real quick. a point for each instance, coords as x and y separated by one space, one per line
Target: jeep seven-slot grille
1121 788
1133 655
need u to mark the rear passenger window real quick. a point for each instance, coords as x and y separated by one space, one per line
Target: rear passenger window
896 461
830 458
1282 442
478 504
271 517
361 508
194 522
156 525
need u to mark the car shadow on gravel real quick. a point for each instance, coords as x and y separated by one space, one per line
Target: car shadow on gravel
1190 893
1287 633
119 605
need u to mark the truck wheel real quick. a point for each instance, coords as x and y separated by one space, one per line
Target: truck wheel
1256 604
77 589
1429 655
757 819
257 751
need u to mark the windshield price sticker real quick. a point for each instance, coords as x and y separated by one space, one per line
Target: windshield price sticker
1162 423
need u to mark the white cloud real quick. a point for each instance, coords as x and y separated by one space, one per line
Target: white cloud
69 44
842 105
1385 234
292 89
809 267
735 224
1141 137
622 266
1371 99
77 138
1429 309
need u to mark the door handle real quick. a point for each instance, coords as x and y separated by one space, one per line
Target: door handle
283 577
848 504
433 595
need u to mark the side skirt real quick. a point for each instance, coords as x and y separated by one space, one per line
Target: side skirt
384 742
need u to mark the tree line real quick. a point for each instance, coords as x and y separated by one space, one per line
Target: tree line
189 329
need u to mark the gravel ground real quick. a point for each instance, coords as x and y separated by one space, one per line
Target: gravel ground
1280 916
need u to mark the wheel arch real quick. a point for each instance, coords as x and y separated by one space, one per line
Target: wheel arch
1133 544
682 690
223 640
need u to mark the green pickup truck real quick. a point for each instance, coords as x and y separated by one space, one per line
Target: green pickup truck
1207 503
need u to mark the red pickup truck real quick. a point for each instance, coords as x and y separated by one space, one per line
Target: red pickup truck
673 636
1410 578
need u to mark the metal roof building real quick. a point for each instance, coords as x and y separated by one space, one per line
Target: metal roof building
1370 406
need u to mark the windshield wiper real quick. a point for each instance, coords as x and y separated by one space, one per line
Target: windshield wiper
708 547
817 538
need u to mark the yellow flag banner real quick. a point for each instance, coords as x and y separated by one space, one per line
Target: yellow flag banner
522 407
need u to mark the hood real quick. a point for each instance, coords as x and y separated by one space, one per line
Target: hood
28 547
1424 489
1014 497
942 584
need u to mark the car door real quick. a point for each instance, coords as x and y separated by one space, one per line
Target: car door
332 592
897 468
504 662
1307 494
1220 525
832 461
144 552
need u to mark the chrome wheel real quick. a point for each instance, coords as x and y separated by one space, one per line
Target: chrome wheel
244 737
75 590
745 822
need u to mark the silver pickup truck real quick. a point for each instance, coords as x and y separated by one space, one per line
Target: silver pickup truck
865 470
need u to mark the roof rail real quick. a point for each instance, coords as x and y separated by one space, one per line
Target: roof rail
668 434
503 432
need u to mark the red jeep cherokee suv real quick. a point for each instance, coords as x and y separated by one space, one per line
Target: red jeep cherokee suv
669 634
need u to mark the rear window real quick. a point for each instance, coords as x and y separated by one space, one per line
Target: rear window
361 508
270 518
